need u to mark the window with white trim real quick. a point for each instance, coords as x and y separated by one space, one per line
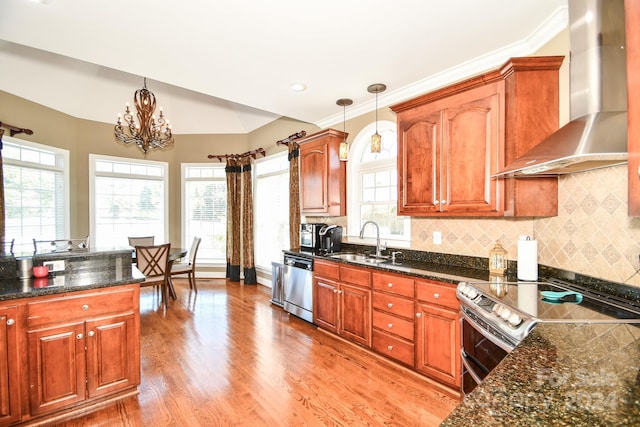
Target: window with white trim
204 210
128 197
373 186
36 192
271 209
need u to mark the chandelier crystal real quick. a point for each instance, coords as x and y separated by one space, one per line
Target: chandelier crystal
148 133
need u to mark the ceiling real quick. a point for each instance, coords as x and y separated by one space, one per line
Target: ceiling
226 67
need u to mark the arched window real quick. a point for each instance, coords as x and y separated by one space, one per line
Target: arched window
373 186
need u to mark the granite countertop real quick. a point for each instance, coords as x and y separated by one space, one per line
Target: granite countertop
84 269
562 375
26 288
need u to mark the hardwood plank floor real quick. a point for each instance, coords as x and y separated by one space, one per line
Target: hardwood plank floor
227 357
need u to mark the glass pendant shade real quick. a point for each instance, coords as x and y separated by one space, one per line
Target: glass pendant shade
376 142
376 139
344 151
344 147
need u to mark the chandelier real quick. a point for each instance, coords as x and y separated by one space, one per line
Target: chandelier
148 133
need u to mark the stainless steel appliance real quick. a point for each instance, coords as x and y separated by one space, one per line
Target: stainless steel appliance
277 279
298 286
331 238
310 236
495 317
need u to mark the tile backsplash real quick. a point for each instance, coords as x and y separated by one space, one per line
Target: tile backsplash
591 235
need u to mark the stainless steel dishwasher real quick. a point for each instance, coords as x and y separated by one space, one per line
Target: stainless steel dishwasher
298 286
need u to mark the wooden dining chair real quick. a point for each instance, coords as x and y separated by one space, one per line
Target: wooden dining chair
153 262
189 268
141 241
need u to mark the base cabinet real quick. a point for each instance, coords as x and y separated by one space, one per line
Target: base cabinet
9 366
438 333
342 301
65 352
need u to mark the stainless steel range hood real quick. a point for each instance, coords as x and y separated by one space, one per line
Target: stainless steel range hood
596 136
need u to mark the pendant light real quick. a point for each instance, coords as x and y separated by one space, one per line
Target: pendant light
376 139
344 147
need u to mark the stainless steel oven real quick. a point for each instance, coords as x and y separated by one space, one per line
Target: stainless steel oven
496 317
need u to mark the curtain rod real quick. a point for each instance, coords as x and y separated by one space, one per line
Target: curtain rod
14 130
252 153
292 138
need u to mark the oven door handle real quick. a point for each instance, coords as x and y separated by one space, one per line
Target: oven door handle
470 370
503 345
466 355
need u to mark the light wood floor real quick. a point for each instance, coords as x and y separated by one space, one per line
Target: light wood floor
227 357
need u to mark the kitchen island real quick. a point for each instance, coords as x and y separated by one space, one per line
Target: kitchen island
71 340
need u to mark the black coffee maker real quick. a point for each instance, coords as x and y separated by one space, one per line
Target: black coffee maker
330 238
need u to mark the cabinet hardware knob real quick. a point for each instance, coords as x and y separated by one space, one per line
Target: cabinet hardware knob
339 292
91 333
443 202
79 336
436 202
390 305
10 322
436 296
390 325
389 347
390 285
85 307
418 315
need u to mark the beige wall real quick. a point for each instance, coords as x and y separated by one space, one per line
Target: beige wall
591 235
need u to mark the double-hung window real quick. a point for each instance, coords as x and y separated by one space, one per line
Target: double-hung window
128 197
36 192
204 210
271 212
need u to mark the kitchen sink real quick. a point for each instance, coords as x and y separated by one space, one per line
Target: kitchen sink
365 259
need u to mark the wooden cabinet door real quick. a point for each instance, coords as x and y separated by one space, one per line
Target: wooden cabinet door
314 173
325 304
418 163
355 314
112 355
9 372
471 144
438 344
57 368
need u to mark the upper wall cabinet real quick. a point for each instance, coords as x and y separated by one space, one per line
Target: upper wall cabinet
632 29
323 183
451 142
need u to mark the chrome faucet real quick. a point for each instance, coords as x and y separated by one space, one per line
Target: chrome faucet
379 248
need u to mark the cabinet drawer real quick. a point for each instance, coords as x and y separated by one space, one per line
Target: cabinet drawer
326 269
443 294
355 276
392 304
80 306
393 348
393 284
393 325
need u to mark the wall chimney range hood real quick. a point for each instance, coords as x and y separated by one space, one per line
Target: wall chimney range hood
596 136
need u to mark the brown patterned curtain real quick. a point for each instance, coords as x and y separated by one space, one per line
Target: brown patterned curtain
294 196
250 277
233 220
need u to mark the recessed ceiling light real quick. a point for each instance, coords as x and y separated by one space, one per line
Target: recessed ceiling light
298 87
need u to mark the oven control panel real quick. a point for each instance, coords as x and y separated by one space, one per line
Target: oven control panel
501 316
